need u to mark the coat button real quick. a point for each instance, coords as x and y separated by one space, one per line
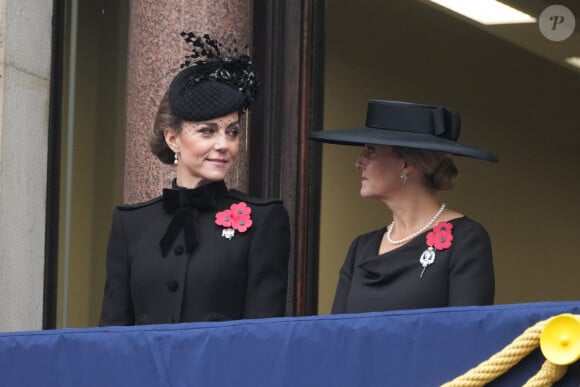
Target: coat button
172 286
178 250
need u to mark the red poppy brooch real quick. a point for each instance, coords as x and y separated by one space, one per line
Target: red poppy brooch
236 218
439 238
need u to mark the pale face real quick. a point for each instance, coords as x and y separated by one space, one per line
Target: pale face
380 169
207 150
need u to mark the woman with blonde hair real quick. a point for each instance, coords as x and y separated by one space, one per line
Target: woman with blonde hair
429 255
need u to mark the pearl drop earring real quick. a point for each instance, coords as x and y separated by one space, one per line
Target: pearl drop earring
175 158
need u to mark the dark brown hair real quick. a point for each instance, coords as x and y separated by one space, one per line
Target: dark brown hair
438 168
163 119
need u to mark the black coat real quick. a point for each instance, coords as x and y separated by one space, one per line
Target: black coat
222 279
460 275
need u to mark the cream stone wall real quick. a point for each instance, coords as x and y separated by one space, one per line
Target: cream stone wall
25 55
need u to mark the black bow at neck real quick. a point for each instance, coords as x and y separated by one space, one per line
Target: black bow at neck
185 203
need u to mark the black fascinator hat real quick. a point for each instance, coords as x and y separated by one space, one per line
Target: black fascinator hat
212 83
409 125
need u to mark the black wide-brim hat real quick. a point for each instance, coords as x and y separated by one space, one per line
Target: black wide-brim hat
407 125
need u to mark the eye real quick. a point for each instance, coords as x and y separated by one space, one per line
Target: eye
233 132
370 149
206 130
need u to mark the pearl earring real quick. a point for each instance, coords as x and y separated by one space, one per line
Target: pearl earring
404 176
175 158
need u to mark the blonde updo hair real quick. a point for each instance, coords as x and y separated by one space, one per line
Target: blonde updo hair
438 168
164 119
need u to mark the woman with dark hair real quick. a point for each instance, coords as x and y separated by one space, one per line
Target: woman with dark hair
429 255
200 251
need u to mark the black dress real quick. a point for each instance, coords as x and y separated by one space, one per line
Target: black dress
460 275
206 276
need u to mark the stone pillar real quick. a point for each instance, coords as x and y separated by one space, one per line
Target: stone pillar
25 41
155 49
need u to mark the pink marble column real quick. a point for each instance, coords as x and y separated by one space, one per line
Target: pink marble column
155 50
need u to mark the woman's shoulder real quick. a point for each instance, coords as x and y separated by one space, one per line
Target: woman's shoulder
140 205
465 224
371 236
238 195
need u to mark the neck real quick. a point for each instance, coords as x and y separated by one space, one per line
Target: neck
414 215
188 181
412 205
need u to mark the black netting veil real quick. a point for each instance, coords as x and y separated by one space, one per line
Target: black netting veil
214 81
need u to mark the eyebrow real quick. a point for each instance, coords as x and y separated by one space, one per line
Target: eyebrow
214 125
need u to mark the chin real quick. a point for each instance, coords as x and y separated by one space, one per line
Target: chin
365 194
216 177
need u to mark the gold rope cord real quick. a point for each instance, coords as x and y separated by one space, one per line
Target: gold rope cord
549 374
502 361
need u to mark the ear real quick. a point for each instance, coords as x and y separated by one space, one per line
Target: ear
408 168
172 139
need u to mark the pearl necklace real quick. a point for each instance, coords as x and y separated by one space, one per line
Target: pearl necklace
419 231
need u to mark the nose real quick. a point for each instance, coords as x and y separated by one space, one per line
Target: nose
221 141
360 161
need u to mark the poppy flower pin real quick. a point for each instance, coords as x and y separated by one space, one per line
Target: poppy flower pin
439 238
236 218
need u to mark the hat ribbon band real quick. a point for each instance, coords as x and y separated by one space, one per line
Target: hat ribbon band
427 121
